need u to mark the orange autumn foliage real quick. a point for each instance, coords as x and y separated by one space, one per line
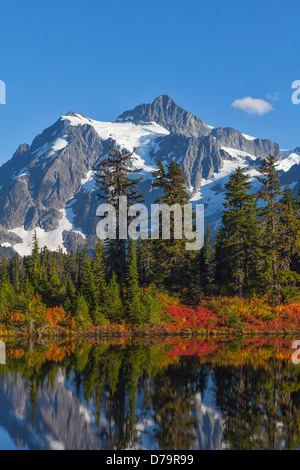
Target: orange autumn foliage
57 316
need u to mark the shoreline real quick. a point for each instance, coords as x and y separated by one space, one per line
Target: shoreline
146 335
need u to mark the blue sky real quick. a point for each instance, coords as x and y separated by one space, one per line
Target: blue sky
101 58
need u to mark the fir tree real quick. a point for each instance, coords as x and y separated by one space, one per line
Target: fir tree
79 270
205 261
145 252
69 297
99 274
135 309
290 229
271 239
82 312
34 263
89 288
239 234
170 255
114 178
54 281
220 267
115 311
290 243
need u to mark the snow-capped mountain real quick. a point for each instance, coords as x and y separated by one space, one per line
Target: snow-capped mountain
48 186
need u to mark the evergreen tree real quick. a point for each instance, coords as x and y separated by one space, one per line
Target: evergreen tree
290 229
34 263
7 292
114 178
271 221
115 311
135 309
239 234
70 266
79 270
145 252
82 312
99 274
171 255
69 297
205 261
27 289
290 243
54 281
89 288
17 271
220 267
44 284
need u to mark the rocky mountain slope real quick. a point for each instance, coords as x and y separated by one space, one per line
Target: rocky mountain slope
48 186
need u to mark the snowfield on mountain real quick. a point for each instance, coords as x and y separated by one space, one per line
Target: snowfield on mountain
48 186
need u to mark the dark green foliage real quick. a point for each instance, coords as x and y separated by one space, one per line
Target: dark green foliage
82 312
239 236
171 256
114 306
258 249
271 224
205 260
89 287
153 305
99 275
135 309
114 178
255 250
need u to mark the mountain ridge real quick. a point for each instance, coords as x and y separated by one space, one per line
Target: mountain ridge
48 186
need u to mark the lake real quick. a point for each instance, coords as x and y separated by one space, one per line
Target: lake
168 393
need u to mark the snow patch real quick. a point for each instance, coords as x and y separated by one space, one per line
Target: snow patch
249 137
238 154
22 172
139 137
6 245
56 146
52 240
88 183
289 160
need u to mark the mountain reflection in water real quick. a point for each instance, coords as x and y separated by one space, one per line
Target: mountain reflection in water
174 393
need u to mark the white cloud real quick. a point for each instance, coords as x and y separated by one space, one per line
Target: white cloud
252 105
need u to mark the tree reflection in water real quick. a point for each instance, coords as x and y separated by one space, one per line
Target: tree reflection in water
168 394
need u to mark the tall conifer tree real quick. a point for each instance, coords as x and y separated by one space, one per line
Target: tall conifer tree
270 194
239 233
170 255
135 309
115 177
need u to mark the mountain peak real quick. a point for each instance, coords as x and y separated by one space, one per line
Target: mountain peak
164 100
167 113
70 113
48 186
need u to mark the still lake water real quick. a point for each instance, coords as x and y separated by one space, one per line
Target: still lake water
174 393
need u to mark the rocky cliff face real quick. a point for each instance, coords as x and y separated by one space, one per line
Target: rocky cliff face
41 178
48 186
200 157
228 137
168 114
